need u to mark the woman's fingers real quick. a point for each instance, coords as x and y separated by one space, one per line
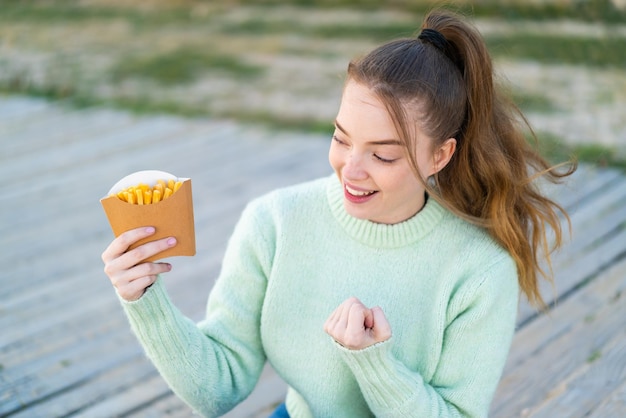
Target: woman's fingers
135 289
355 326
381 330
124 277
354 332
120 244
124 267
132 284
136 255
338 320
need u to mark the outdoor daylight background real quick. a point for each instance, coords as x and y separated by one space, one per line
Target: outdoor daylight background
241 96
281 63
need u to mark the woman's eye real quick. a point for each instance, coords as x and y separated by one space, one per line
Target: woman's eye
337 140
384 160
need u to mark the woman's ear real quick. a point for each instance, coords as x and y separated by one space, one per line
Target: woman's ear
443 155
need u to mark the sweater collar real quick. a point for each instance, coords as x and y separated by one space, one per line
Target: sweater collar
383 235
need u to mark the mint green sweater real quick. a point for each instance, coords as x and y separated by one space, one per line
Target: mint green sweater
449 292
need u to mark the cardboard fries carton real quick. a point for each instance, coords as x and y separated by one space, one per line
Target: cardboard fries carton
171 217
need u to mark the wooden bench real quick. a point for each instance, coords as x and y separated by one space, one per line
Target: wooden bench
66 348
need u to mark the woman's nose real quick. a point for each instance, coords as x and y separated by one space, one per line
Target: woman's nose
354 167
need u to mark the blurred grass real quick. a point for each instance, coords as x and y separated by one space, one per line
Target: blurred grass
159 12
183 28
533 102
583 10
549 49
597 52
54 11
557 150
601 52
182 65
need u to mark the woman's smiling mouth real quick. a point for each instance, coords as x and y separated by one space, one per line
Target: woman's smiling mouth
358 196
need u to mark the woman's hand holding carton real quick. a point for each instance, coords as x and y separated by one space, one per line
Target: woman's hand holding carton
125 269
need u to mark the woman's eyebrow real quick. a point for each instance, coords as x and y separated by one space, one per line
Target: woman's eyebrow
378 142
338 126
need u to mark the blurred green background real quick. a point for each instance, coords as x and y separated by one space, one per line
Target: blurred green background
282 63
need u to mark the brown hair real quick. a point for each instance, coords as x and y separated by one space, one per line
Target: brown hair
445 83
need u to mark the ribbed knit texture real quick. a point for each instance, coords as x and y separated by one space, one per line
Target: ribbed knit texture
449 292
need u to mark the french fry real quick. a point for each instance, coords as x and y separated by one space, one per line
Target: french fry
130 198
147 197
144 194
122 195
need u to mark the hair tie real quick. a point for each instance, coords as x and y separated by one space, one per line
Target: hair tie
436 39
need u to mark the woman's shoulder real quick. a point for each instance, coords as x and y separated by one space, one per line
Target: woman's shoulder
474 242
482 267
295 201
270 213
293 196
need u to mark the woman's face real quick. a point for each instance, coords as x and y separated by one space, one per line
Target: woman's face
370 161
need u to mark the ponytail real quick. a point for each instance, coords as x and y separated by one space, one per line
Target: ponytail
443 81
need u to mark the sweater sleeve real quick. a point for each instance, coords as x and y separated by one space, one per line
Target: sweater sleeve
476 343
215 364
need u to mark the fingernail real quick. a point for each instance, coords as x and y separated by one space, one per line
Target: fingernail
171 241
150 230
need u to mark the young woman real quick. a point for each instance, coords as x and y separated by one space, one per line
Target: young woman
389 288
